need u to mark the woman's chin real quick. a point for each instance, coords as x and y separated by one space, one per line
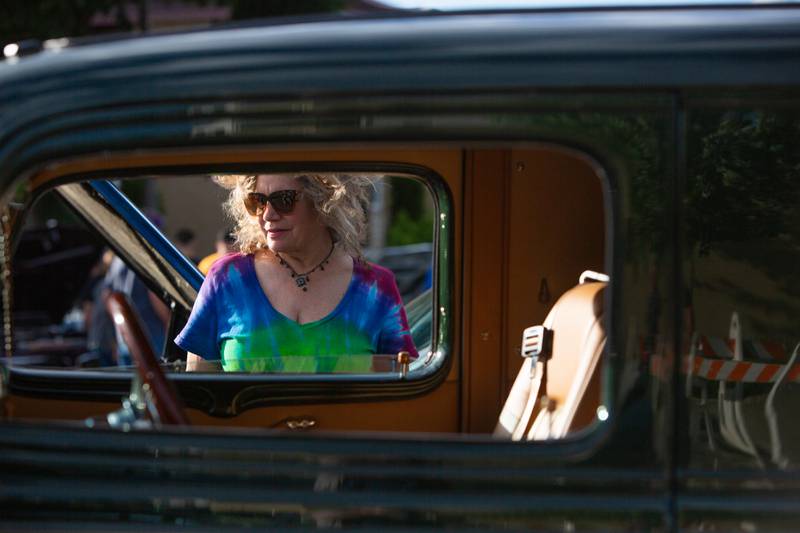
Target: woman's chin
278 247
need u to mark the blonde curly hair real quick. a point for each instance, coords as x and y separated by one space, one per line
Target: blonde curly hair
340 201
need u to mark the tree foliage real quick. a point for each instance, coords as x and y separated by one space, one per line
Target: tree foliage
743 177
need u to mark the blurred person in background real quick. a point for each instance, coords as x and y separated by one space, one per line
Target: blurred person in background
152 312
225 244
186 242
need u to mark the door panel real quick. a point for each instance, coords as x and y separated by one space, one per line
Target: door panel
535 221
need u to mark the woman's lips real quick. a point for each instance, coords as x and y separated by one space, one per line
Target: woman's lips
273 233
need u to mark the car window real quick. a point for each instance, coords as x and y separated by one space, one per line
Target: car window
74 331
742 298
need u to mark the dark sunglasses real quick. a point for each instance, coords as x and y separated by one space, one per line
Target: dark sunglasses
282 201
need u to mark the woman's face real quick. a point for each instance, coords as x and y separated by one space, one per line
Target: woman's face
298 231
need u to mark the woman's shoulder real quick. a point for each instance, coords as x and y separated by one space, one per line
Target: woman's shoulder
221 269
372 273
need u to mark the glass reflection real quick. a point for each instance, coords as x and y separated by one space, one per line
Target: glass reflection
743 300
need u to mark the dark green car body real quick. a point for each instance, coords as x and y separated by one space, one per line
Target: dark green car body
622 85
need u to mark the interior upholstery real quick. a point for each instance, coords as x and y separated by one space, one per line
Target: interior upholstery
569 379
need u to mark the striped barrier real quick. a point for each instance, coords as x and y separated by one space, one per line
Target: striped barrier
736 371
762 351
761 361
713 361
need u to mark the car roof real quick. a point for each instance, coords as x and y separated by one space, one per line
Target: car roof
484 5
591 47
579 49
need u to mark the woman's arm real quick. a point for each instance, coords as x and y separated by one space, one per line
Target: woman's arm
395 335
195 363
199 334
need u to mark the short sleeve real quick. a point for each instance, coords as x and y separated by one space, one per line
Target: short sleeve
200 335
395 334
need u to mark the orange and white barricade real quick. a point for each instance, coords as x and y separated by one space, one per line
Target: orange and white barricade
733 363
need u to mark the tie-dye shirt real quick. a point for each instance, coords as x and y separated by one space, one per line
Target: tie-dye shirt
233 321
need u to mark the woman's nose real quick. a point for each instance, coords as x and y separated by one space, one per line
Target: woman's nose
270 213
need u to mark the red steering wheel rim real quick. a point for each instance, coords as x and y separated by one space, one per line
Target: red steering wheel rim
162 392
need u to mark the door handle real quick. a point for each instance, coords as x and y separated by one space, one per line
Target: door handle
301 423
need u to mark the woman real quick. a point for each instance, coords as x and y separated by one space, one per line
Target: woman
299 296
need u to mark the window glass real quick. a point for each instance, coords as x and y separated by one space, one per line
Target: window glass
72 329
743 299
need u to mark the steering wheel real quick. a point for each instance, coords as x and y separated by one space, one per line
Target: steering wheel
163 395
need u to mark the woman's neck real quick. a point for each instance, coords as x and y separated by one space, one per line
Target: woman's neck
303 262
